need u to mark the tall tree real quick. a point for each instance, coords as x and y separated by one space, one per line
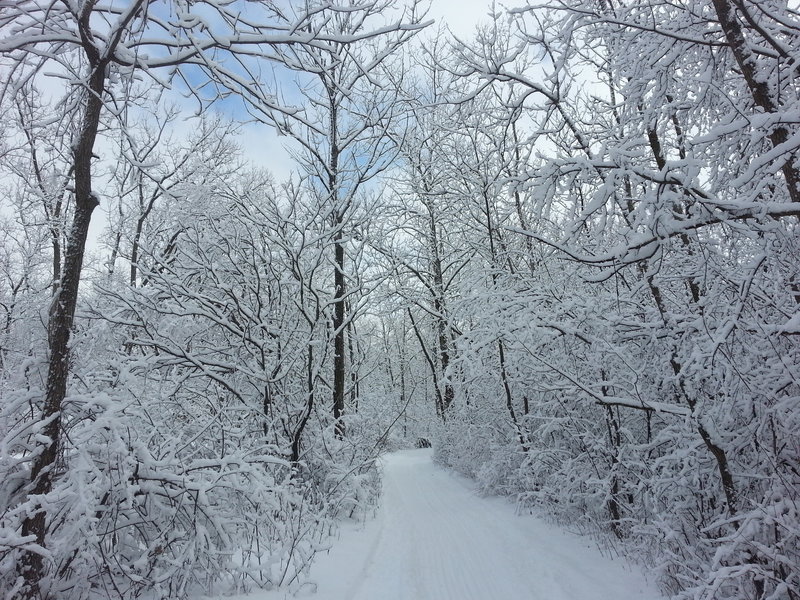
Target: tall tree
657 196
97 50
348 93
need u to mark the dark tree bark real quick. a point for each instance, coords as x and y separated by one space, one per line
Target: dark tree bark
297 435
439 306
339 356
339 282
62 313
758 86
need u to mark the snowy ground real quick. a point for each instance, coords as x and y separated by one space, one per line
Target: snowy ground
435 539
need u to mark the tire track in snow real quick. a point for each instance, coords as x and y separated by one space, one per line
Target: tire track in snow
435 539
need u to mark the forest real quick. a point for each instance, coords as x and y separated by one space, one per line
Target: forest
563 250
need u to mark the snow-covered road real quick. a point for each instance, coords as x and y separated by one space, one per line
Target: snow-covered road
434 538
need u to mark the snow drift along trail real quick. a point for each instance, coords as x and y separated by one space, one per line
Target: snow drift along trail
435 539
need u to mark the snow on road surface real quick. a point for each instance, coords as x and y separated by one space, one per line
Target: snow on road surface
434 538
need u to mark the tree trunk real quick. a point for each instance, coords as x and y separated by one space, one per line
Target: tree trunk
339 356
62 313
339 283
297 436
439 307
758 86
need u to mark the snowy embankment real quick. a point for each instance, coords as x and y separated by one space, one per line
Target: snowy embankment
434 538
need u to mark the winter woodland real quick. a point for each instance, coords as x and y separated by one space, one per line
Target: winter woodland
564 249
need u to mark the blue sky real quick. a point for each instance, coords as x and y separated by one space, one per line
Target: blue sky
263 147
